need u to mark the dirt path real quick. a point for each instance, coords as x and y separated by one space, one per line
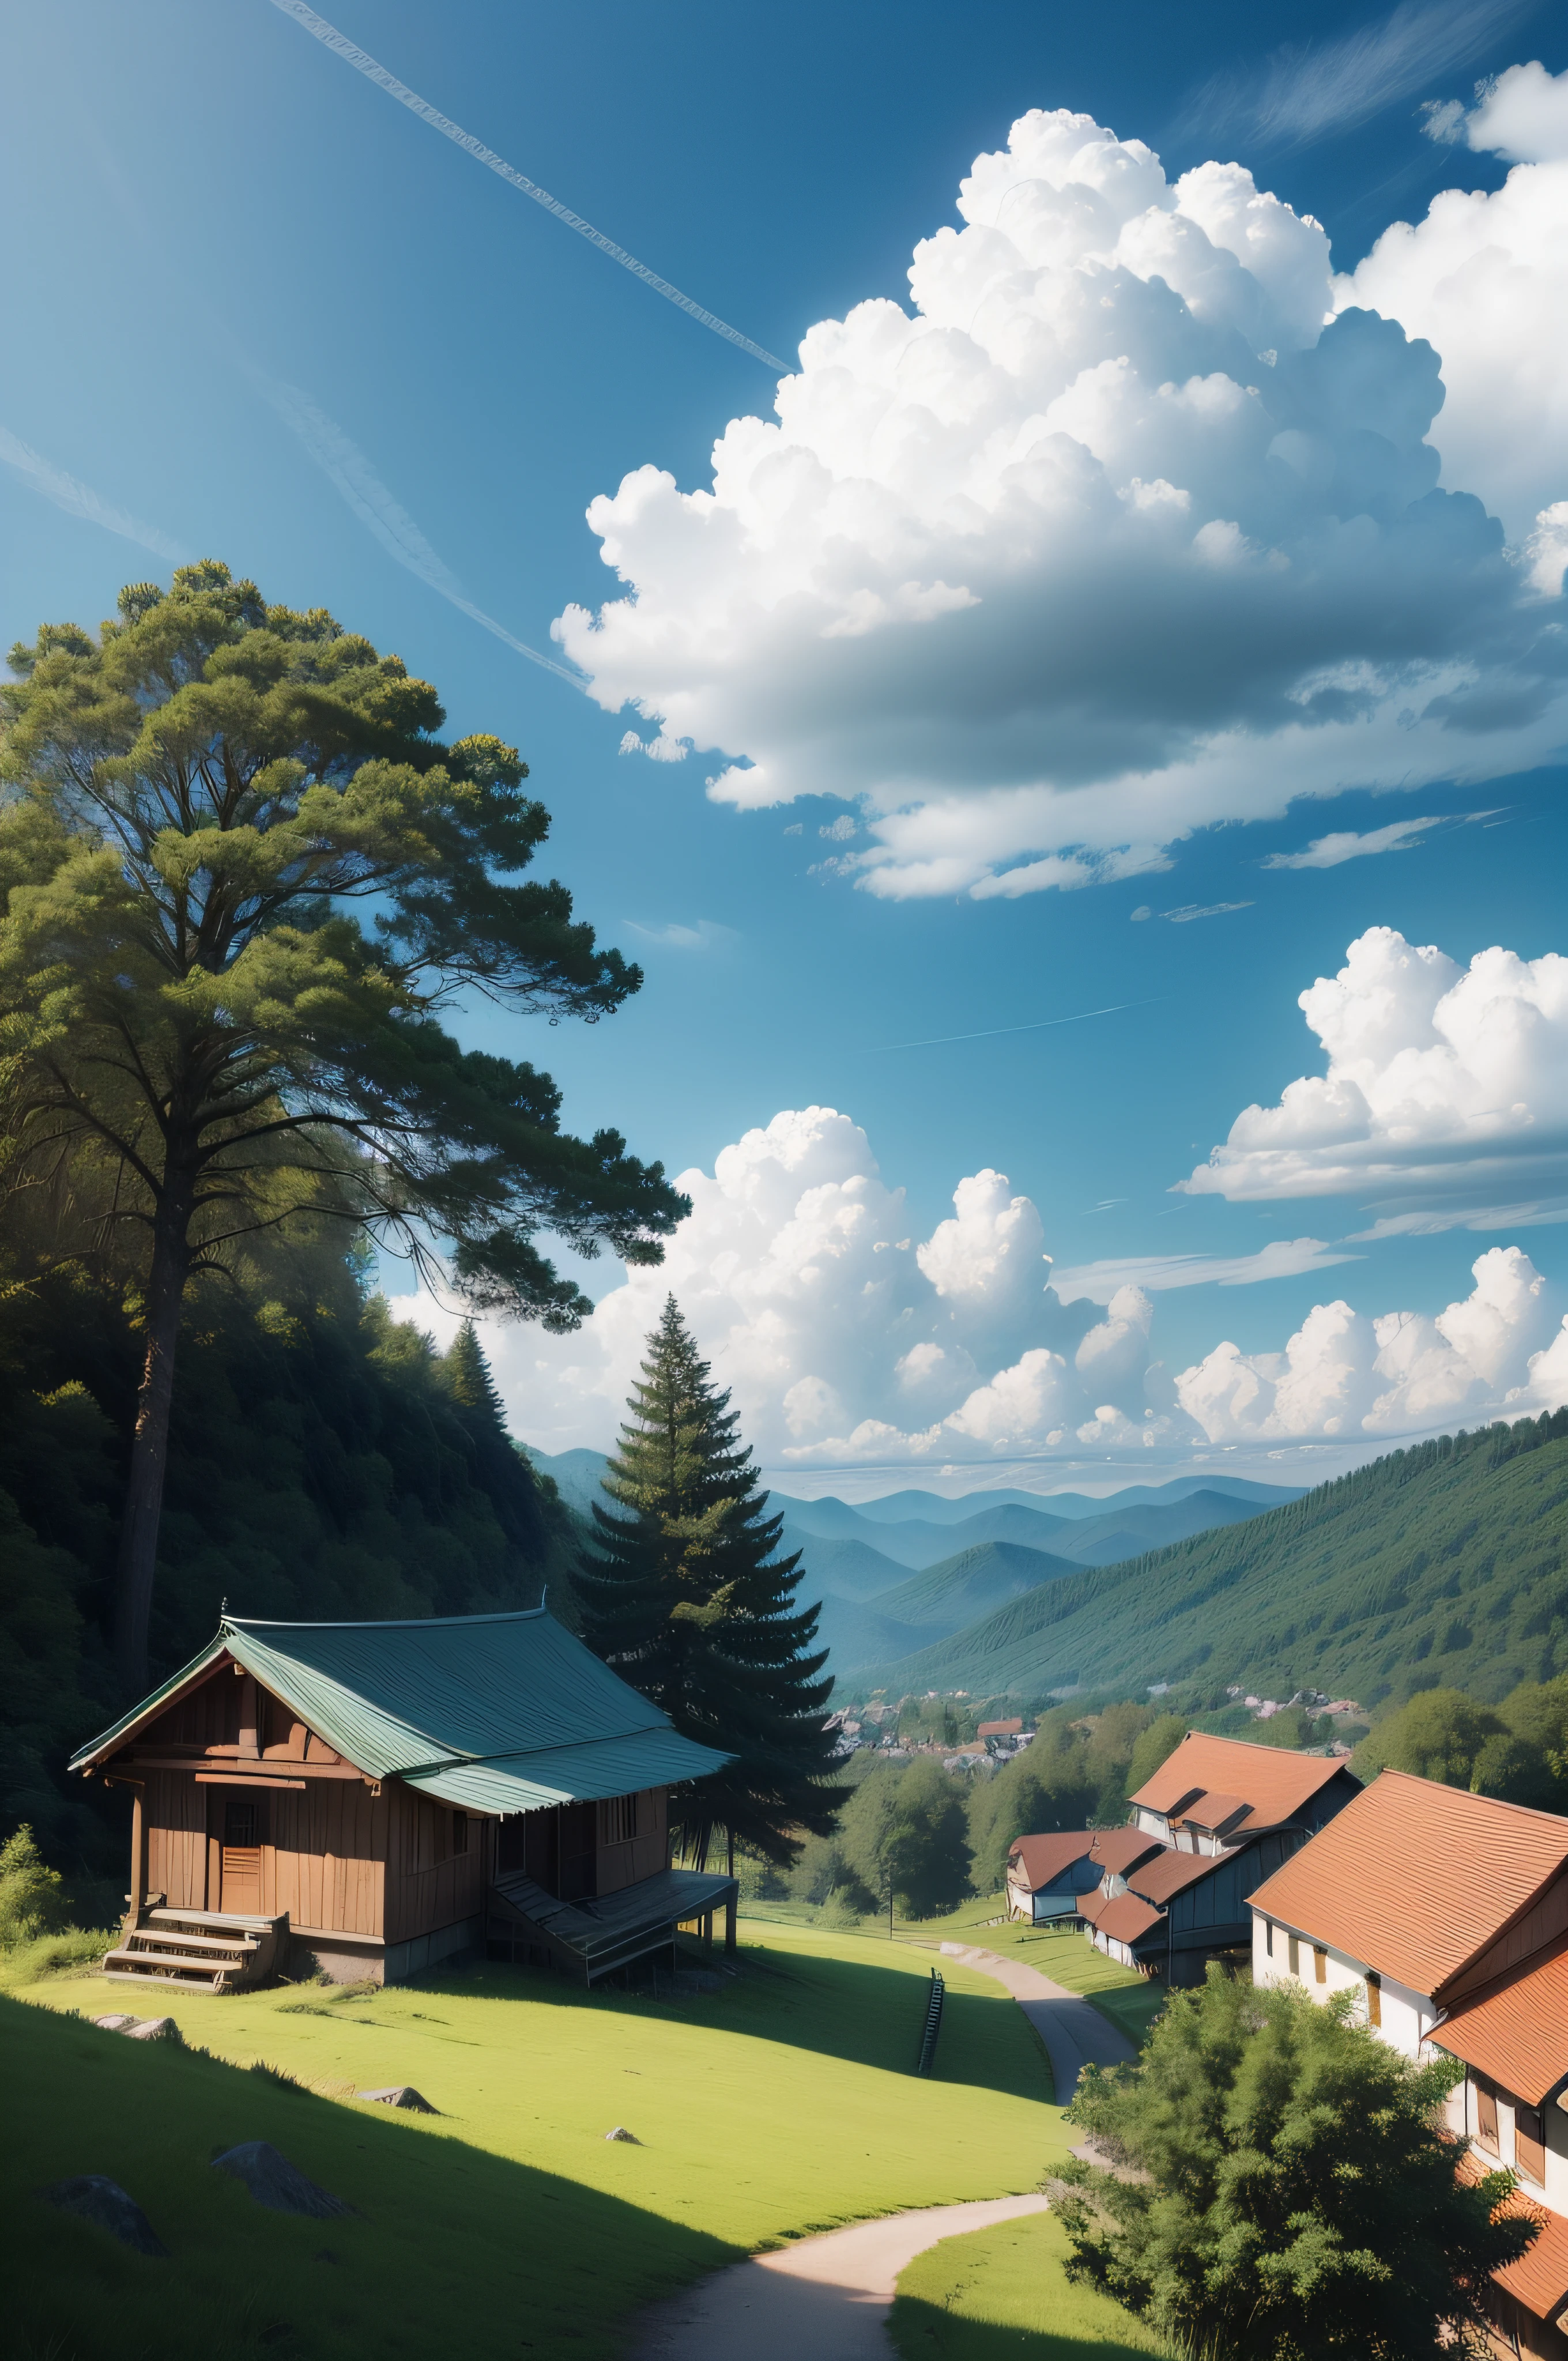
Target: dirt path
820 2299
1073 2030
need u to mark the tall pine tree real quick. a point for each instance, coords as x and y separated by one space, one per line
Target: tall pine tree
687 1596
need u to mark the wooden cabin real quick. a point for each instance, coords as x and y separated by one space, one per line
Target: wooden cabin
367 1799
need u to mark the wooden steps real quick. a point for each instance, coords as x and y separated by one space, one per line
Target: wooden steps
202 1951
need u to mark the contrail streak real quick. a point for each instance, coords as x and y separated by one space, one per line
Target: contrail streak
351 475
995 1031
360 59
77 499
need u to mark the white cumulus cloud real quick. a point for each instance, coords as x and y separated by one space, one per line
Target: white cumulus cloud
847 1341
1108 539
1342 1374
1485 279
1440 1080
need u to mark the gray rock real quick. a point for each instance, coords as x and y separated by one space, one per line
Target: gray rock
92 2197
276 2183
141 2028
400 2095
115 2023
620 2132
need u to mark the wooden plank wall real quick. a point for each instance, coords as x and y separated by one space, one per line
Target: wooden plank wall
622 1860
177 1839
429 1883
324 1859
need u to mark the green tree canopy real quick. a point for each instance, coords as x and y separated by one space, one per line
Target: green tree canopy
685 1595
1050 1785
241 879
1438 1735
1293 2195
1153 1746
903 1832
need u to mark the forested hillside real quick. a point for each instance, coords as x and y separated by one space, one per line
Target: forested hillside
325 1462
1445 1565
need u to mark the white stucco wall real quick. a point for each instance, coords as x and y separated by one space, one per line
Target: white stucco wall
1460 2113
1406 2015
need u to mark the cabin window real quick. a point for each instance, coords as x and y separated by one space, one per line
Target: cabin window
1529 2142
459 1831
242 1820
618 1819
1320 1964
1485 2115
1269 1937
1373 2000
1295 1950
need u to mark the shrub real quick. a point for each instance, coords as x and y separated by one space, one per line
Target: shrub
1292 2195
32 1896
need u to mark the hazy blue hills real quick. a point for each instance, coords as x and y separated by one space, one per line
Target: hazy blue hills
828 1515
1444 1564
971 1583
895 1575
849 1568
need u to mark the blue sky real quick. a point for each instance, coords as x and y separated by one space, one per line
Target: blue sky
237 248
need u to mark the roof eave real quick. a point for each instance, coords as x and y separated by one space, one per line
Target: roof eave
116 1736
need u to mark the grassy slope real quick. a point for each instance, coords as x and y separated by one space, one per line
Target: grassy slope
783 2104
1131 2001
1004 2291
1446 1563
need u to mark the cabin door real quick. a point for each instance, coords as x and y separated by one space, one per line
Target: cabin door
241 1889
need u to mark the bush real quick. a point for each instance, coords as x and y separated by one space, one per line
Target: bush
32 1896
1293 2195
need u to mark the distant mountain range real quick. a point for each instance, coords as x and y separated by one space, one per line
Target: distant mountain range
1444 1565
895 1576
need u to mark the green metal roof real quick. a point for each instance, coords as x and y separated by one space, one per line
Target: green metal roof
494 1713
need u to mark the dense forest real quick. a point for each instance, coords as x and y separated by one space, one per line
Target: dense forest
325 1461
1444 1565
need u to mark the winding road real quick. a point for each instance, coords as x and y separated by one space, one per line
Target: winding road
829 2297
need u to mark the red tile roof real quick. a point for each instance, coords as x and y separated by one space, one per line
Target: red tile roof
1415 1879
1125 1917
1170 1872
1516 2031
1044 1858
1210 1810
1274 1783
1540 2278
998 1729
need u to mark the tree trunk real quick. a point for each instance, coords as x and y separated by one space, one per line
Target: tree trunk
149 1443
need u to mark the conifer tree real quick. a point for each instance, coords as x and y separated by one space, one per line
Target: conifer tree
203 1042
687 1597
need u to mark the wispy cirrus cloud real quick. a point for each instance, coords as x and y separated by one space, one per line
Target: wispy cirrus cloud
79 500
1399 836
355 480
1097 1282
1305 90
706 935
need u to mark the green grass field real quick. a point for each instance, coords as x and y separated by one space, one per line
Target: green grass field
1002 2295
783 2104
1131 2001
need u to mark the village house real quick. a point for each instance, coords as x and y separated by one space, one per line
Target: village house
1168 1892
1048 1876
367 1799
1445 1916
1211 1792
